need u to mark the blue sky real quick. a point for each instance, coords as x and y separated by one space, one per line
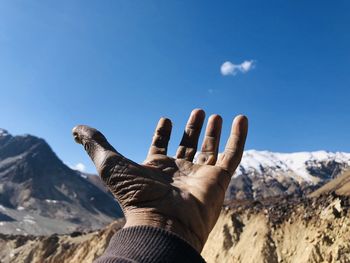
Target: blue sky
120 65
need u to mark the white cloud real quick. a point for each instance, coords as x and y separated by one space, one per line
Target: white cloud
228 68
80 167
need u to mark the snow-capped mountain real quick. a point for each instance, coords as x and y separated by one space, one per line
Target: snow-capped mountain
263 174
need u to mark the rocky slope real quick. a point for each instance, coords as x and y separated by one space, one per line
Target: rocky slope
39 194
263 174
271 230
315 230
340 185
75 247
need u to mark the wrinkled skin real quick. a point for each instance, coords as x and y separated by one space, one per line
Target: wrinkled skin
175 194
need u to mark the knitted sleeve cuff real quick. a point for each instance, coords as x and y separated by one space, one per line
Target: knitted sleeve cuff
148 244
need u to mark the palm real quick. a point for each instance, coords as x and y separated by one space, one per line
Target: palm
183 177
173 193
195 191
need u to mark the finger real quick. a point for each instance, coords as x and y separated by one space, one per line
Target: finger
161 137
232 155
106 159
210 146
188 145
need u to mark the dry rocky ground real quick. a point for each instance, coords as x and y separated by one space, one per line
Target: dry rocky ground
273 230
76 247
308 230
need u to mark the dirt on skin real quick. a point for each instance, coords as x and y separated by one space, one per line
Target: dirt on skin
273 230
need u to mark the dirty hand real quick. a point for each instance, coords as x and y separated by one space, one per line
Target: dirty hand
173 193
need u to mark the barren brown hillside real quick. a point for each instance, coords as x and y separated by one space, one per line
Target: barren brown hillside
289 230
340 185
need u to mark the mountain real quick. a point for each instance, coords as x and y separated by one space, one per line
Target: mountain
264 174
95 180
273 230
340 186
39 194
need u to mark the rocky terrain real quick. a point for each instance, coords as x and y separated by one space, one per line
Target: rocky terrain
40 195
340 186
305 231
309 229
74 247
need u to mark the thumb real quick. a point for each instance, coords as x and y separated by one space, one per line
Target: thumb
106 159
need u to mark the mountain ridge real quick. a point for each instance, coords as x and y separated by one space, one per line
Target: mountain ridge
264 174
37 187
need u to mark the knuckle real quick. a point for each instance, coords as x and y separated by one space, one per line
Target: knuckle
161 131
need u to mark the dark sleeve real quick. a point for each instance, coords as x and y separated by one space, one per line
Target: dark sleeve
148 244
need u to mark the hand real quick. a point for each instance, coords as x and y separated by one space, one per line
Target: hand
175 194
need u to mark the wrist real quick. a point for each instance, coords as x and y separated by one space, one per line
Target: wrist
173 225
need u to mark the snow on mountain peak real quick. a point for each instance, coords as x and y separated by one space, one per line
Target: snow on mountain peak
3 132
259 162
